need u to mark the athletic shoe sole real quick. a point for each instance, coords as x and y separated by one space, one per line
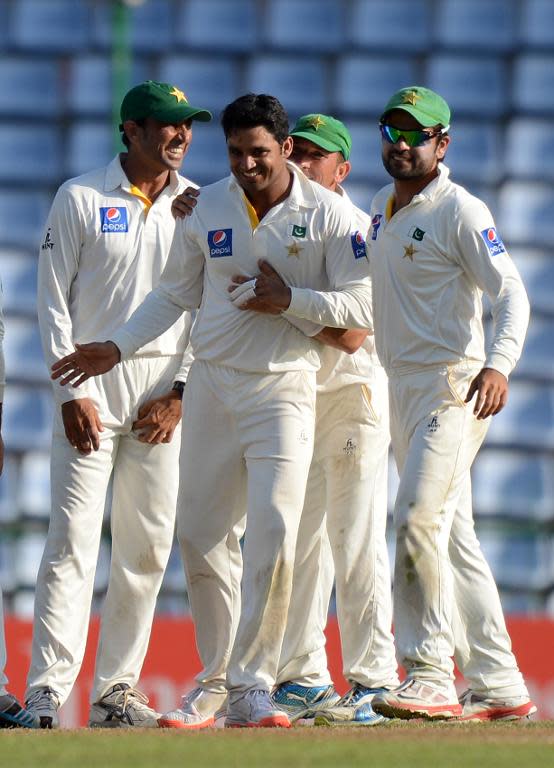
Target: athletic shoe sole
164 722
407 711
266 722
503 713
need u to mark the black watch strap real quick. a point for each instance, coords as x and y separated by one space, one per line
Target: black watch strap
179 386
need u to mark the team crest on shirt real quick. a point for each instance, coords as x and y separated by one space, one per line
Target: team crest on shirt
358 245
220 243
113 220
375 224
492 241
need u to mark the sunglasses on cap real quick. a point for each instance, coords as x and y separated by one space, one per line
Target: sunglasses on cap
412 138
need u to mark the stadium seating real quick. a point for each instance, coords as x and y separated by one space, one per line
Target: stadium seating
23 351
150 25
537 24
364 83
22 216
474 154
304 25
90 145
299 82
25 159
536 268
524 212
528 153
486 25
217 25
27 418
28 82
206 160
33 495
398 26
533 78
18 273
207 82
529 419
463 79
57 25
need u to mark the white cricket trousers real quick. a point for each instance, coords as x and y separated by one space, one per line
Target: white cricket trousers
441 578
346 505
247 446
3 678
144 492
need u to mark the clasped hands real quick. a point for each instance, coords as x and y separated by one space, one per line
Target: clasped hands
266 292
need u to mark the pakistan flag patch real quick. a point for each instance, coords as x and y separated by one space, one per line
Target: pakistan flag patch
298 231
417 234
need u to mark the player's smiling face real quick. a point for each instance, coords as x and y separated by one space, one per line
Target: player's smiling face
403 162
327 168
257 160
163 146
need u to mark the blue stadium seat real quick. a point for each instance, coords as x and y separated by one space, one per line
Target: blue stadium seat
29 548
22 217
463 81
217 25
528 419
537 271
102 575
23 350
56 25
24 159
513 484
474 152
391 25
533 82
361 194
150 25
299 83
207 82
537 25
305 25
90 86
174 577
525 211
8 578
23 604
9 511
365 156
34 485
18 275
24 83
488 25
90 145
518 558
528 152
365 83
27 418
206 161
537 360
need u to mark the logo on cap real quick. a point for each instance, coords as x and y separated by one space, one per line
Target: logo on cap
358 245
492 241
113 220
220 242
179 95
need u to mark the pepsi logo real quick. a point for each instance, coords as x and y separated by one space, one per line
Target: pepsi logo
219 237
113 215
491 235
360 238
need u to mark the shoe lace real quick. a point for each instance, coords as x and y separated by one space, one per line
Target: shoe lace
353 695
43 696
130 696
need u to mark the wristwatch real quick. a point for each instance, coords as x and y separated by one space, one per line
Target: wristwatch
179 386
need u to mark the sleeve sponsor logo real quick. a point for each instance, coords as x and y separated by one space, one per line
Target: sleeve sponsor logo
48 243
358 245
375 224
113 220
492 241
220 243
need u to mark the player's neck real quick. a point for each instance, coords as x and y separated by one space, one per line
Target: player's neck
266 199
406 189
149 182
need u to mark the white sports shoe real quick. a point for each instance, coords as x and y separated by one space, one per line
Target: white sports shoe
476 706
254 709
199 709
414 698
122 707
44 704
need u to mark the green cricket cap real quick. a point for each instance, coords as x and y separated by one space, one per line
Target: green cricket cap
162 101
325 131
425 105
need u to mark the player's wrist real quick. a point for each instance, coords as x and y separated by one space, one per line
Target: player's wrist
178 389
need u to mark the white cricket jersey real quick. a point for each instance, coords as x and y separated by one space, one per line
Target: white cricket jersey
104 249
430 264
339 369
308 240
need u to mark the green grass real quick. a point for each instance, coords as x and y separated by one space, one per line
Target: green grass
414 744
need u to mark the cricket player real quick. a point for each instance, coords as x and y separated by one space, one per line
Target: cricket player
12 714
434 250
346 500
250 396
105 246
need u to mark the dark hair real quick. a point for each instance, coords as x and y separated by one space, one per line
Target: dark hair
253 110
124 138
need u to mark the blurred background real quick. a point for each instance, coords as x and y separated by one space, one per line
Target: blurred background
64 64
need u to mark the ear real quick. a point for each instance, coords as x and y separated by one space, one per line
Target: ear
131 130
442 146
286 147
342 171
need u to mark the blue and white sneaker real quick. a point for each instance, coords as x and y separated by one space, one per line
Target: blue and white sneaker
301 702
13 715
353 709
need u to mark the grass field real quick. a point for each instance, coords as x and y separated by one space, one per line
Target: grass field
415 744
